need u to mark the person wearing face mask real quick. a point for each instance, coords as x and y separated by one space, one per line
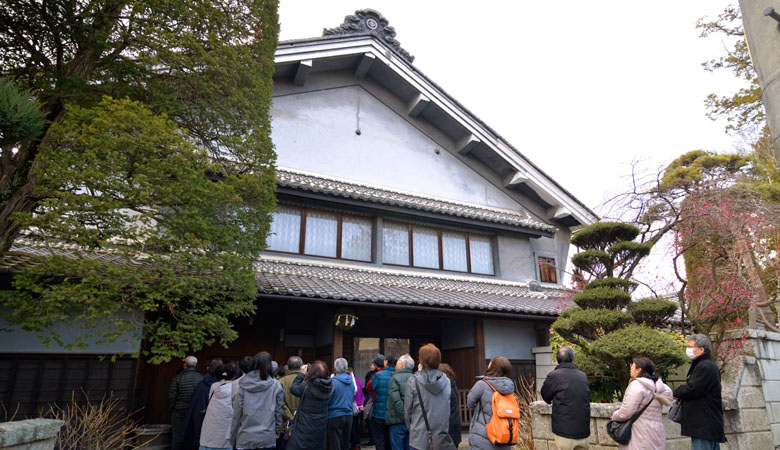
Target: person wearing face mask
702 406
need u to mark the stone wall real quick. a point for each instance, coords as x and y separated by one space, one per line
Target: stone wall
600 414
544 365
33 434
766 348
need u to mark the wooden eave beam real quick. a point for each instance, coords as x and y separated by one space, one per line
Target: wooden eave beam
467 144
302 72
417 104
364 65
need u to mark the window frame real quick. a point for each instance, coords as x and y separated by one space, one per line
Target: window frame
340 220
439 232
538 265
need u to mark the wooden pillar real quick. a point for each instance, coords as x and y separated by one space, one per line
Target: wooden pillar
479 347
338 343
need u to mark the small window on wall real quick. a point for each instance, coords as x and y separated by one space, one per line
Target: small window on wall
433 248
320 233
547 270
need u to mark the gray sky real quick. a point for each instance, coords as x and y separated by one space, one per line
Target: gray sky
580 88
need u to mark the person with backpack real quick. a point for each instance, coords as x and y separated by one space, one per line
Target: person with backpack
567 389
427 403
493 428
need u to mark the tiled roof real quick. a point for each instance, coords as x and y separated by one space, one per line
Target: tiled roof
315 279
291 276
23 255
317 183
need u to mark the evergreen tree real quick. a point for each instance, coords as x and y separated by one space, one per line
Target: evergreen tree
605 324
148 147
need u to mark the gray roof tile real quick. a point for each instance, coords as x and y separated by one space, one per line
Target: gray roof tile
318 183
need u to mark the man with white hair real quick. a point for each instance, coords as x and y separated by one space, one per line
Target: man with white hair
180 395
394 417
340 406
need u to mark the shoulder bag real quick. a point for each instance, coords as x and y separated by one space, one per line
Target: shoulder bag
287 428
620 432
675 412
441 441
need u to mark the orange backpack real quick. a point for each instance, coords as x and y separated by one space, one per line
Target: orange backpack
503 426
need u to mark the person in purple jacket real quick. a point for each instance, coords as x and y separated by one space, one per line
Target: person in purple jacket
357 412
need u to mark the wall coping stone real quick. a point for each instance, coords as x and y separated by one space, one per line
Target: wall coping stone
25 431
763 334
546 349
597 410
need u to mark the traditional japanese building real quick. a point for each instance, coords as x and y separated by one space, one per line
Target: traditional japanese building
403 219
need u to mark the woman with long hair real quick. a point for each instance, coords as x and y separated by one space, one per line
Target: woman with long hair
645 388
480 401
310 425
455 420
257 416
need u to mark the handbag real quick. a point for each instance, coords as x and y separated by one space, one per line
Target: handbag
288 427
441 441
620 432
368 407
675 412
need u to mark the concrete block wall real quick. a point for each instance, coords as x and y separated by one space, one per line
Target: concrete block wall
766 348
544 365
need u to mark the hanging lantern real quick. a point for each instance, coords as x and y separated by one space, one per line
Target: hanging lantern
345 319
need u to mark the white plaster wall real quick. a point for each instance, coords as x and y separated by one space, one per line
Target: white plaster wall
511 339
315 132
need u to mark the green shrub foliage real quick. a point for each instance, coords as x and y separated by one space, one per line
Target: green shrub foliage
653 312
606 327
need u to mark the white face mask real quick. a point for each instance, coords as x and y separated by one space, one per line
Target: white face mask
689 352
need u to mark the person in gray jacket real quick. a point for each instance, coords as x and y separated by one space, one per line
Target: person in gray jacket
480 401
257 416
435 393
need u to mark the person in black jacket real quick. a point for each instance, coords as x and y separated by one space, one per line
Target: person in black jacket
568 391
455 420
702 406
310 426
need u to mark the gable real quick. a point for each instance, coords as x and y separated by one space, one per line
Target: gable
317 132
366 58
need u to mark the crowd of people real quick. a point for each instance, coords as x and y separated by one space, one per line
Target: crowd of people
256 404
701 418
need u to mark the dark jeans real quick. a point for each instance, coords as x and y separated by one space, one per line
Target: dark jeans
339 432
357 421
399 437
281 444
379 433
701 444
177 420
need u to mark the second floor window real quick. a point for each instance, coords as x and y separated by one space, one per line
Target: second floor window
432 248
547 271
320 233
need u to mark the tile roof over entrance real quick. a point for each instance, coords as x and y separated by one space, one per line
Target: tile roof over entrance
323 280
317 183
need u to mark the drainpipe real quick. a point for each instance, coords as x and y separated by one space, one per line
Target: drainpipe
762 30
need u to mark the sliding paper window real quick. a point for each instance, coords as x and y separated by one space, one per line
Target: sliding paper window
285 235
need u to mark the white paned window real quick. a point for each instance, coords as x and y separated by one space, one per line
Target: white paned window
321 233
425 245
481 254
356 238
395 243
285 233
453 247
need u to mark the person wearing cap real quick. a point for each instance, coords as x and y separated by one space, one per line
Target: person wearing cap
179 396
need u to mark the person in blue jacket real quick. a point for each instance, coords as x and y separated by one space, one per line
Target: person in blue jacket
379 386
340 407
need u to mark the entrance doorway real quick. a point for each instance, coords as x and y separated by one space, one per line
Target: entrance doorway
366 349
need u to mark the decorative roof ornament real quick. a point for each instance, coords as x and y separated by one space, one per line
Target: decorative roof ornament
369 21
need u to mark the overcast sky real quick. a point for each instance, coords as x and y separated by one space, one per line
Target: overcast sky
580 88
